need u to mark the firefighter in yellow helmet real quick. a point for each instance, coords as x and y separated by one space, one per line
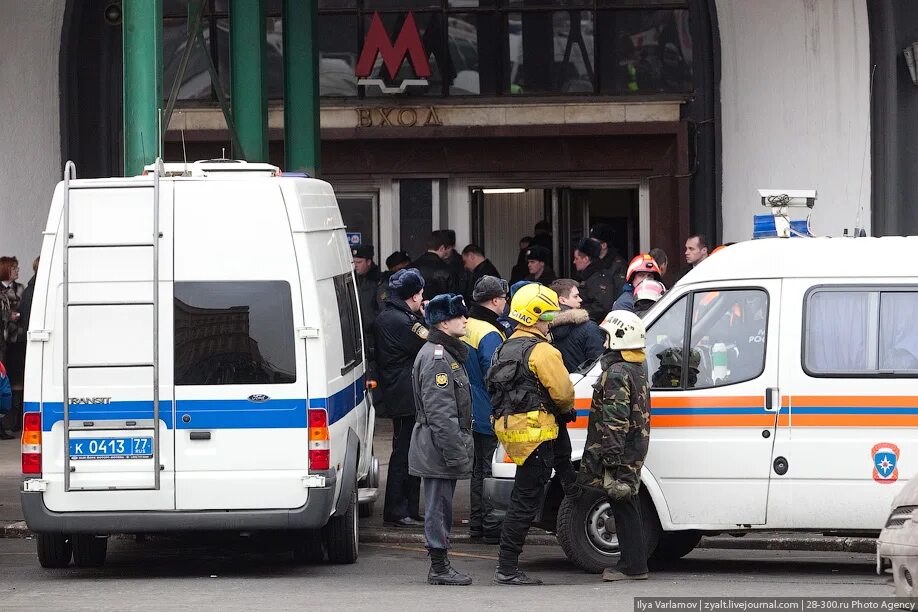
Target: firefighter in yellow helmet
531 393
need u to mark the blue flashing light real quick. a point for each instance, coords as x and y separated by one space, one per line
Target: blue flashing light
295 174
764 227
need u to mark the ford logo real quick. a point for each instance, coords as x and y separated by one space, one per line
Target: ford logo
258 398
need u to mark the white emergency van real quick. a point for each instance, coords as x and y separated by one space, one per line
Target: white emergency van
195 363
796 409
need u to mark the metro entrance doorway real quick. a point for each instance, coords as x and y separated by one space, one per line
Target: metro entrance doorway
503 215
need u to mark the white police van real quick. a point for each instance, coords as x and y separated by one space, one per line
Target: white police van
195 363
797 410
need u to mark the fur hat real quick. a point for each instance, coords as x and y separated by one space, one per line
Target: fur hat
363 251
444 307
538 253
590 247
406 283
488 288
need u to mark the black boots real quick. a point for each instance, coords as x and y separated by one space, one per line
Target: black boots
514 577
441 572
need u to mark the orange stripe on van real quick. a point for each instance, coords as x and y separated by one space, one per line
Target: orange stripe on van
716 401
855 401
713 420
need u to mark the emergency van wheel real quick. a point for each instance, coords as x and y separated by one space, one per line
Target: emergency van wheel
675 545
308 547
89 550
341 534
54 550
586 530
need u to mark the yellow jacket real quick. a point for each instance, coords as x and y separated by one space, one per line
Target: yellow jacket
522 433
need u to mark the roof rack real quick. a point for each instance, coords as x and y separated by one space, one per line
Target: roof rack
216 167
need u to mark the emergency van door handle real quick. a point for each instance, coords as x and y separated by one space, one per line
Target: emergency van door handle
199 435
772 399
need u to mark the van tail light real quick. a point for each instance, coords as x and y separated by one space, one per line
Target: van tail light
31 443
318 439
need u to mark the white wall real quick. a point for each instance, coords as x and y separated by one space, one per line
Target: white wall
795 108
30 149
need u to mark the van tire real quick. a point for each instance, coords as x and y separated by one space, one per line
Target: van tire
308 547
675 544
54 550
89 550
341 533
577 532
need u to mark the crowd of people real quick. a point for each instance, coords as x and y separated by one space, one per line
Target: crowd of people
465 359
15 306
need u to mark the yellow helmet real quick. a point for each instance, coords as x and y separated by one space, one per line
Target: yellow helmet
534 302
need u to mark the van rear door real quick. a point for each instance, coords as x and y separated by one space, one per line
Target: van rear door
240 384
99 448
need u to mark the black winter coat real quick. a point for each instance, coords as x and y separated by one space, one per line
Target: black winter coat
439 276
399 335
597 288
579 339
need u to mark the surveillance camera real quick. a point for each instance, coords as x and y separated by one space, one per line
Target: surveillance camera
112 14
782 198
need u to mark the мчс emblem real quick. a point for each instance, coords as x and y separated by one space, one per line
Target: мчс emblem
885 462
442 380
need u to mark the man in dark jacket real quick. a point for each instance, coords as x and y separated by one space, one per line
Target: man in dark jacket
439 276
618 436
366 273
441 443
597 287
476 266
398 260
608 254
538 264
579 339
399 335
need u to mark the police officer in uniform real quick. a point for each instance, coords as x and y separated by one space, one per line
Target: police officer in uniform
531 392
618 435
441 443
400 334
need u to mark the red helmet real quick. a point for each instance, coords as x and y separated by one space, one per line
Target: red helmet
643 263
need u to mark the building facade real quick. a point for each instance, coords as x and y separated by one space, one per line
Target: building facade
661 118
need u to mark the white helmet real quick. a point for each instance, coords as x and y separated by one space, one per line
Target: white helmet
626 330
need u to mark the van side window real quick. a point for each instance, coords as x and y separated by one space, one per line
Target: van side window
728 339
665 340
351 338
234 333
863 332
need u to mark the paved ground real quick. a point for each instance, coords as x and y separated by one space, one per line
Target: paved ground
247 573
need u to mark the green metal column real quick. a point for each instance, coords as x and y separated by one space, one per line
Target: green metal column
142 34
249 95
301 87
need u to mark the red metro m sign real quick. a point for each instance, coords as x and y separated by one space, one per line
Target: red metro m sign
407 45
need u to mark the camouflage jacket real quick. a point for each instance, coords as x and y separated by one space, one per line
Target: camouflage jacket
618 431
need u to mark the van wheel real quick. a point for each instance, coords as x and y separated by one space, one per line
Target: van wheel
341 534
587 534
675 545
54 550
308 547
89 550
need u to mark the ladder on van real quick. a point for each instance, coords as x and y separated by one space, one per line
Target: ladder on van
134 425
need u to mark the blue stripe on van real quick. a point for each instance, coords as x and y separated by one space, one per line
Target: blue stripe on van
213 414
